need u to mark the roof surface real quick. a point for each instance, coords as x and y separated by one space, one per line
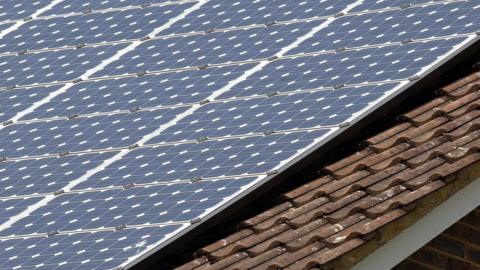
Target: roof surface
338 212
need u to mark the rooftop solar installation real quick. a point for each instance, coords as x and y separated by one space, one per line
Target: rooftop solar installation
128 123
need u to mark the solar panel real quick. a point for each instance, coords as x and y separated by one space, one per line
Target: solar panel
128 123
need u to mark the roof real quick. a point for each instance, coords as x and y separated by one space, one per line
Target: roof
356 196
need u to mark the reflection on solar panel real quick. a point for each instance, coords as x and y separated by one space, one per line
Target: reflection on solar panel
127 123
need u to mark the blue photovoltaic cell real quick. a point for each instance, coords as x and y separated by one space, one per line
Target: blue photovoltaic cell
218 14
167 129
52 66
280 112
79 134
17 100
207 159
165 89
79 251
91 28
70 6
46 175
133 206
348 67
217 47
19 9
11 207
5 26
382 28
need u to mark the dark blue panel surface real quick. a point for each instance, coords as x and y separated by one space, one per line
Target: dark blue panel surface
91 28
52 66
218 14
395 26
82 133
70 6
12 207
207 159
174 88
80 251
214 48
36 176
393 62
17 100
280 112
133 206
19 9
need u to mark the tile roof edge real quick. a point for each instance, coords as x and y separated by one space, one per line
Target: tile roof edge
457 185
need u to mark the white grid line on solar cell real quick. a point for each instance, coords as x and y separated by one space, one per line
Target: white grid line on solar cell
13 219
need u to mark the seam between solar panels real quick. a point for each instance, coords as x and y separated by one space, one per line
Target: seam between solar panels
271 59
191 141
88 73
231 99
137 185
94 230
223 30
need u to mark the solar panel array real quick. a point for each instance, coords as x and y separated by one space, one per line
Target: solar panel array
127 123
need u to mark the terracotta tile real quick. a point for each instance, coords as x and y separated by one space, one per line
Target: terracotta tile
363 227
472 86
325 209
287 236
430 154
385 135
288 258
336 185
307 187
304 209
364 203
226 241
230 260
248 242
462 82
267 214
251 262
349 160
403 199
420 149
424 112
325 255
324 232
368 181
392 158
193 264
372 162
460 102
404 176
463 130
408 134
